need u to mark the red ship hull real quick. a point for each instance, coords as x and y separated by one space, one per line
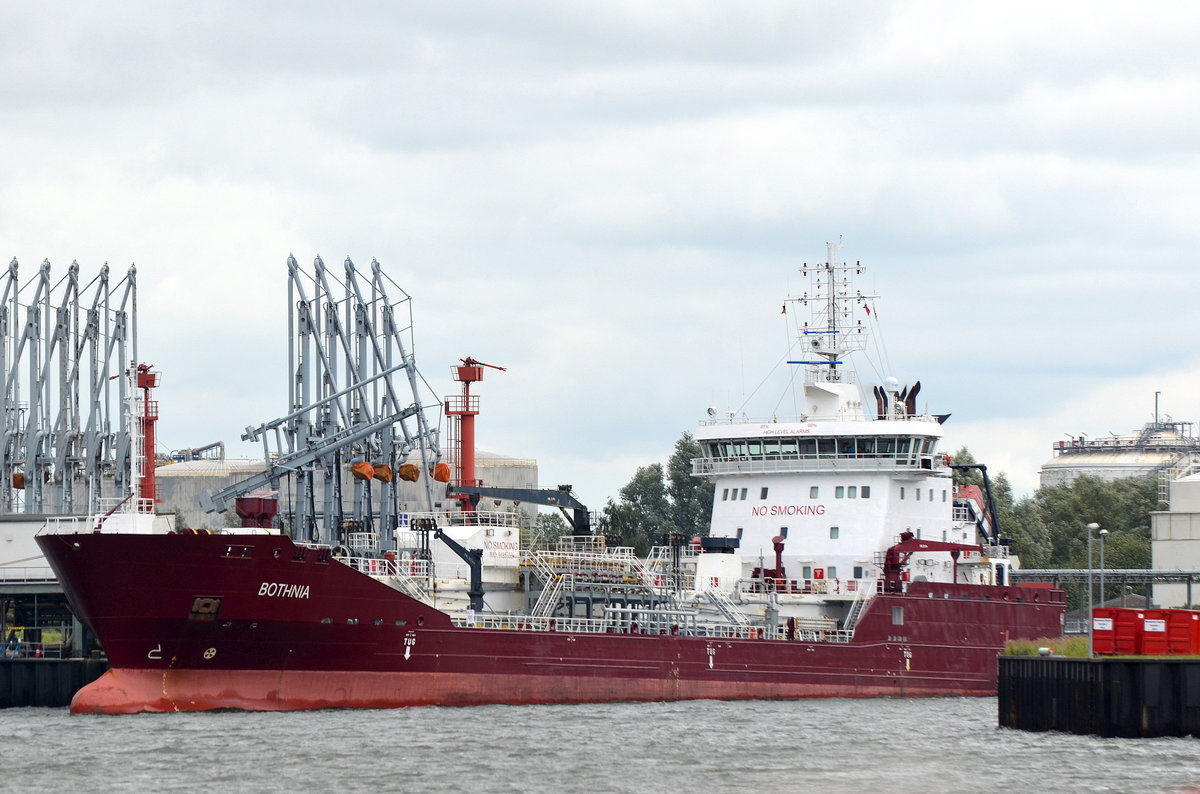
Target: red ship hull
197 622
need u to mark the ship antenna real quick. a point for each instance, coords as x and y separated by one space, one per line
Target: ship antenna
833 332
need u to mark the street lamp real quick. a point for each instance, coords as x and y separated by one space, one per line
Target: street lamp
1090 529
1103 533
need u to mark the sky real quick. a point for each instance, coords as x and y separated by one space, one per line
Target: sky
612 199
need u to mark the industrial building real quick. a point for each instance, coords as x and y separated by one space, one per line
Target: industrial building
1162 449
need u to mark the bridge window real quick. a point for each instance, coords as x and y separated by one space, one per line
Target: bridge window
788 446
826 448
866 447
755 447
808 447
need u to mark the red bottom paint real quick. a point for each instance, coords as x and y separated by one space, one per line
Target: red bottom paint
121 691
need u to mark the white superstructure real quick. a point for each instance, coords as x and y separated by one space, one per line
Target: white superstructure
840 483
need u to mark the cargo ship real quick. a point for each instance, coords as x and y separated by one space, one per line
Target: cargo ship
842 561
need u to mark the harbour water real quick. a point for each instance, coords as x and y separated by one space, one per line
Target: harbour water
876 746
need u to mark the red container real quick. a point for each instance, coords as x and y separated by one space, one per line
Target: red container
1104 635
1127 631
1183 632
1154 632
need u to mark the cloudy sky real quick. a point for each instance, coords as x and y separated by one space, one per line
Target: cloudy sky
611 200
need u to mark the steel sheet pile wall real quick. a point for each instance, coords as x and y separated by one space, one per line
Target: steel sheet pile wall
1103 697
45 682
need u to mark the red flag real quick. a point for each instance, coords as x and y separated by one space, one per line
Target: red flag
866 308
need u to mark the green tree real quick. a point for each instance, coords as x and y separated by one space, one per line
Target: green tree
966 476
619 520
1121 506
658 501
1024 525
690 497
548 528
646 496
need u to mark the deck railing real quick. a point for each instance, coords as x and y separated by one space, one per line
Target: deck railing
819 632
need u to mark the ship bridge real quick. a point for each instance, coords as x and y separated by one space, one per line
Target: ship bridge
757 446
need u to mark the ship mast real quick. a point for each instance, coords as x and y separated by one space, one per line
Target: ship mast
833 331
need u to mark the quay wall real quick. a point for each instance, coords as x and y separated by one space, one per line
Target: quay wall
1125 697
45 682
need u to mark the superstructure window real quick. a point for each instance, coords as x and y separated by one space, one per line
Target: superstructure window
743 494
832 572
739 534
763 494
813 492
852 492
866 492
943 495
833 535
897 616
917 491
931 494
806 572
858 572
783 532
901 491
839 492
725 495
